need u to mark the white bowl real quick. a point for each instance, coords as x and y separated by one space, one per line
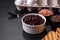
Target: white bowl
53 3
30 2
33 29
19 8
19 2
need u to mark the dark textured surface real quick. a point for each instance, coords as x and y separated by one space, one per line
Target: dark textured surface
9 29
12 29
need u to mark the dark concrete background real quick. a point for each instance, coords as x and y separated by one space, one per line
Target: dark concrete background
12 29
9 29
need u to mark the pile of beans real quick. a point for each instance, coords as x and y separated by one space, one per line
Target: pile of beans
55 18
33 20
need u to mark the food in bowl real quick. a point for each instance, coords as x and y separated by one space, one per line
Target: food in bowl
45 12
33 23
33 20
55 18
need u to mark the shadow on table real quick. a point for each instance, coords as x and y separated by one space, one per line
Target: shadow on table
34 36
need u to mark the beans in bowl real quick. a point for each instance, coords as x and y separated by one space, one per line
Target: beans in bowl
55 18
33 20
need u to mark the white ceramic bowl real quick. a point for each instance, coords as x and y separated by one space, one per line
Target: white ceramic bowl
42 2
19 2
33 29
19 8
53 3
30 2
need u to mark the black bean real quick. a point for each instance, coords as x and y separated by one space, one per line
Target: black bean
33 20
